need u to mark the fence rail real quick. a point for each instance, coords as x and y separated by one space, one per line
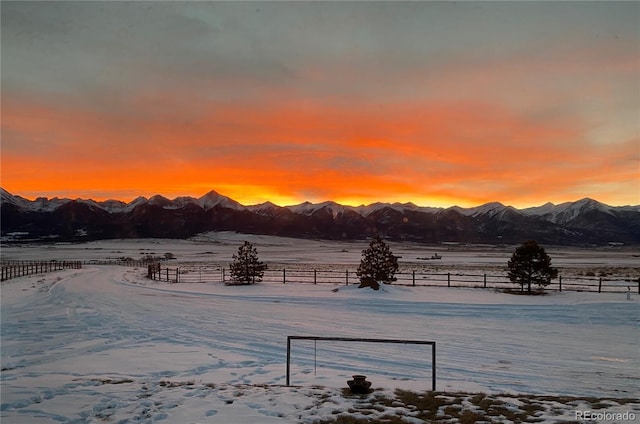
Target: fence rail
123 262
218 274
14 269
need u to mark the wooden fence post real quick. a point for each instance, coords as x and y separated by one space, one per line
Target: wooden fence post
284 276
346 276
600 285
315 277
485 281
448 279
560 282
413 278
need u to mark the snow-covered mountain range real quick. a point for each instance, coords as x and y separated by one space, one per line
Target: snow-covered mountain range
584 222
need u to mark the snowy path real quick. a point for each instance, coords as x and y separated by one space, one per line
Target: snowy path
82 344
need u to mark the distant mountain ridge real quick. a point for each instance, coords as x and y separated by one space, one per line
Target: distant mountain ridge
584 222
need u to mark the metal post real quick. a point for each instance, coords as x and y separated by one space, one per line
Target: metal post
284 276
288 357
433 366
347 277
448 279
485 281
413 277
315 280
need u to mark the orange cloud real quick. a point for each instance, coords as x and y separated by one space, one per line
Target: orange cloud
431 153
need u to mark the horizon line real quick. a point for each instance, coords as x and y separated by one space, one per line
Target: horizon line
106 199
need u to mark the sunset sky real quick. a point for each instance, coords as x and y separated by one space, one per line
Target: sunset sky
435 103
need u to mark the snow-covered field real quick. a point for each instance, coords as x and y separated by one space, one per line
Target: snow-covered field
104 344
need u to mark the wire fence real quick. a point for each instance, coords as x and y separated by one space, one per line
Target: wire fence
14 269
309 275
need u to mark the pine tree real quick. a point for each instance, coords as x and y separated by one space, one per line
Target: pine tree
246 268
378 265
529 265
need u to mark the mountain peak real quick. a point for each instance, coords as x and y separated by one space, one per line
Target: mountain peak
490 208
212 194
587 201
159 200
566 212
213 199
266 204
308 208
266 208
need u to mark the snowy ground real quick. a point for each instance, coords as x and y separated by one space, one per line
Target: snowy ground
103 344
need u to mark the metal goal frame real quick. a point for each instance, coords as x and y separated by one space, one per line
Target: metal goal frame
365 340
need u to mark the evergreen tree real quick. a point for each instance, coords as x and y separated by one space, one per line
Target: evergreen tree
529 265
246 268
378 265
